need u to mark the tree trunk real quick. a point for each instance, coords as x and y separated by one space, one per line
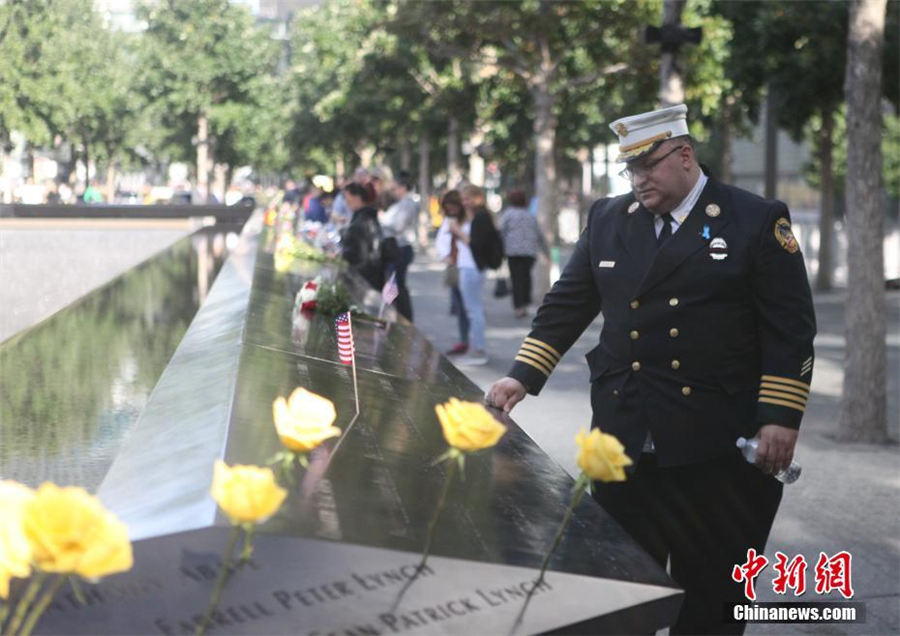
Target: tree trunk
671 86
366 153
454 172
544 177
826 218
476 161
339 170
202 157
771 167
424 188
86 155
111 181
864 405
220 180
405 154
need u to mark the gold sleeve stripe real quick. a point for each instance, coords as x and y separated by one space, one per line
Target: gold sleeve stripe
790 405
785 388
788 381
543 345
538 353
784 396
537 364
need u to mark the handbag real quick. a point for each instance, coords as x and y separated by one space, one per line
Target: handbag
501 287
451 276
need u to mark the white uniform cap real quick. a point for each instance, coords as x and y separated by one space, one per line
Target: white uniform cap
639 134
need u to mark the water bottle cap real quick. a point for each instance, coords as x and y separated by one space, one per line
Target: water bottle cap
741 442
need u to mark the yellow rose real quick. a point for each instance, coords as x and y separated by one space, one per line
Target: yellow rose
468 426
283 261
601 456
15 552
70 532
247 494
304 420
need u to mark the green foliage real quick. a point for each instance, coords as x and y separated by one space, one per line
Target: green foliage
332 299
890 149
63 73
207 58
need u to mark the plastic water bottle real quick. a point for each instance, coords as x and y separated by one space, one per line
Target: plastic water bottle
748 449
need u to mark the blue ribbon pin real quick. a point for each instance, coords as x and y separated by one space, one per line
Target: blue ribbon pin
705 232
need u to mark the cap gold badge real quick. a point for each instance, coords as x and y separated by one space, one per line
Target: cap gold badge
785 236
621 129
633 207
713 210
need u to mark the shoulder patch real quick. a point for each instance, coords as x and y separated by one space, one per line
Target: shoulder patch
784 235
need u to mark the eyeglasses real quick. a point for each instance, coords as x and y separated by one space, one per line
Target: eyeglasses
631 172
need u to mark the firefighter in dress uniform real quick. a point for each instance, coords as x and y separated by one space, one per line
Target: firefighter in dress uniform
708 329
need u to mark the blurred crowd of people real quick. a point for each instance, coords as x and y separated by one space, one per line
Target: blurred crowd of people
377 219
53 192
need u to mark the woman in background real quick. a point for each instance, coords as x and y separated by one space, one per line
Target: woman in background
448 251
522 240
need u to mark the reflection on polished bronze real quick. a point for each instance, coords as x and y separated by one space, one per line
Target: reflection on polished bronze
71 386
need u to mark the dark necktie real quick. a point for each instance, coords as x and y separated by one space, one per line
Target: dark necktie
666 231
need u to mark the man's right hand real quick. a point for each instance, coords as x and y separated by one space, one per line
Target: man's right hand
505 394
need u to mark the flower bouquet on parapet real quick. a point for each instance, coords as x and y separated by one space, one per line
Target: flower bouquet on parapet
248 495
302 422
290 248
53 535
467 427
328 298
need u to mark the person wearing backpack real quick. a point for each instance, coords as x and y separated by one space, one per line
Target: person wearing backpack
480 247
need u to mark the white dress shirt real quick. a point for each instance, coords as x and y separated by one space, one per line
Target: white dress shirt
679 214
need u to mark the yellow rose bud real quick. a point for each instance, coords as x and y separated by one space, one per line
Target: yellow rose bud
15 552
602 457
468 426
70 532
304 420
247 494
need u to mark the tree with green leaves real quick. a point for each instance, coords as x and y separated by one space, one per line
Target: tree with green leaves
202 62
551 47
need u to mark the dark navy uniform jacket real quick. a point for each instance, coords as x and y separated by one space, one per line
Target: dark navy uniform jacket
704 339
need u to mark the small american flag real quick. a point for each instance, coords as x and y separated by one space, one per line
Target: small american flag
346 349
390 291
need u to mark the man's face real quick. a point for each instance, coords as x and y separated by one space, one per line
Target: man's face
660 180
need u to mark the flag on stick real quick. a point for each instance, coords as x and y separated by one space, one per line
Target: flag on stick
390 291
347 350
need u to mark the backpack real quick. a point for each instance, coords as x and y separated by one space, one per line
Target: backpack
495 249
